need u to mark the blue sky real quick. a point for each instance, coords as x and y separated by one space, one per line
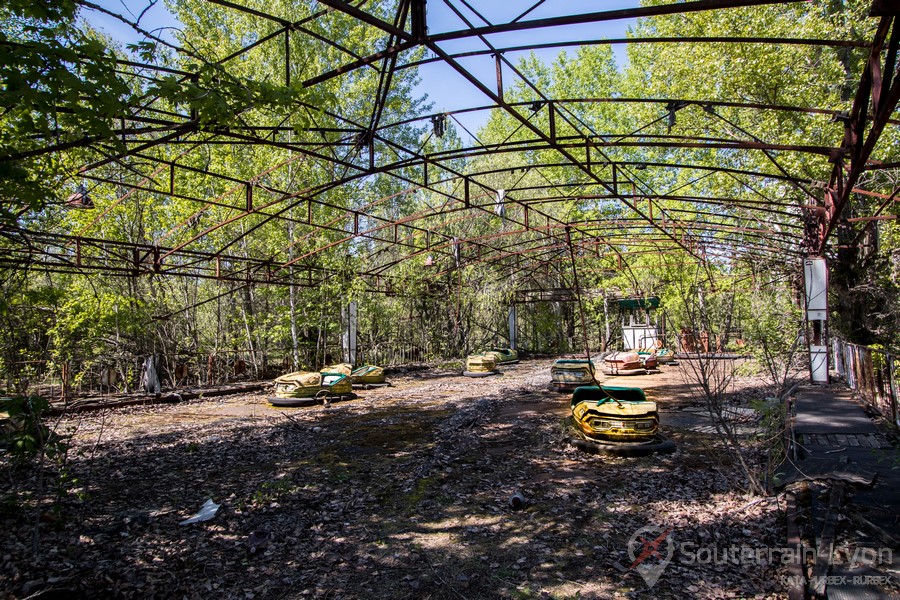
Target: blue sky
445 88
449 91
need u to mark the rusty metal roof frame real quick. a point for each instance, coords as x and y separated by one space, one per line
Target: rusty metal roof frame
531 236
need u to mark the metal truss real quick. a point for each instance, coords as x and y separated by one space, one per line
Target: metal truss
553 154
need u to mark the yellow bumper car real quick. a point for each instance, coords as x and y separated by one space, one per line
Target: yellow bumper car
306 389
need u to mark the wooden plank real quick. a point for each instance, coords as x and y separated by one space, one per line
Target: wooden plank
826 539
797 591
882 534
853 440
830 410
122 401
854 592
831 472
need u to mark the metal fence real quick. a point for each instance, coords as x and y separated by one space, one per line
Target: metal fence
873 373
388 354
123 374
110 375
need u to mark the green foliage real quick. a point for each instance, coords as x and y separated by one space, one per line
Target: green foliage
216 98
25 432
773 332
64 91
63 88
866 285
60 90
26 309
92 320
271 491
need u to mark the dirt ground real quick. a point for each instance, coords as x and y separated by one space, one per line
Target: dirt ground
405 492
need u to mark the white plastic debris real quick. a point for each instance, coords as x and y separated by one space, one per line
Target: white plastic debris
206 512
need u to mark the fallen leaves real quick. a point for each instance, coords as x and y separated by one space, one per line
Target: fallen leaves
438 487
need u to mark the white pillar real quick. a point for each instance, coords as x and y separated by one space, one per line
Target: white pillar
815 276
513 329
348 336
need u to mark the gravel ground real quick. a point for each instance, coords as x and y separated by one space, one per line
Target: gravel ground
406 492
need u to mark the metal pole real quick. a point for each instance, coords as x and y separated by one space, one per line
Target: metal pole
606 321
587 348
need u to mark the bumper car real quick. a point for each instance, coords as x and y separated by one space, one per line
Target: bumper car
614 413
504 356
617 420
306 389
629 363
342 368
664 356
566 374
368 376
481 365
650 360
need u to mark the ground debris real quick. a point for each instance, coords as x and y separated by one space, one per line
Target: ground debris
406 492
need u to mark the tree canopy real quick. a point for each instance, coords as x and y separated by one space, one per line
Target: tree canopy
229 188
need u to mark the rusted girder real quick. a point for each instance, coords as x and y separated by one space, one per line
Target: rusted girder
596 17
880 86
606 232
58 253
389 154
401 47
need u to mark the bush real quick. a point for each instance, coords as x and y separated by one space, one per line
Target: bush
24 432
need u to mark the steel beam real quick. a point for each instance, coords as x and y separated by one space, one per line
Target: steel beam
881 87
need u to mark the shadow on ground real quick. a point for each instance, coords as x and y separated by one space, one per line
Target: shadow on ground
410 499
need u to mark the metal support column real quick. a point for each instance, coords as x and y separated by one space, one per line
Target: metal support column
348 335
513 329
815 276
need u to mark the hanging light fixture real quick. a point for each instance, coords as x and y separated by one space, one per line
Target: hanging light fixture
501 207
438 124
672 107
